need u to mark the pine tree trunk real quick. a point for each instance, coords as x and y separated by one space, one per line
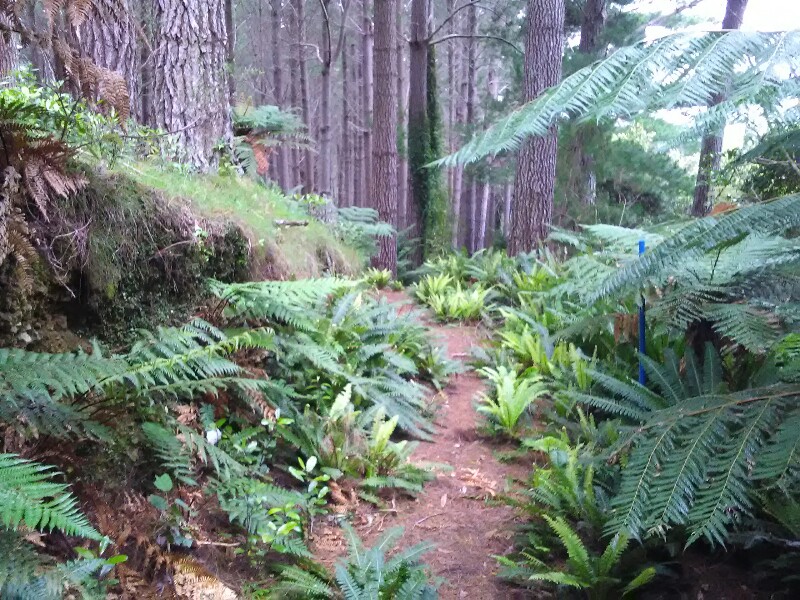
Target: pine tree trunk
417 117
295 154
384 176
367 101
191 87
145 16
305 100
508 193
711 147
282 158
346 167
9 47
483 217
536 165
230 50
359 197
108 38
402 121
469 90
325 158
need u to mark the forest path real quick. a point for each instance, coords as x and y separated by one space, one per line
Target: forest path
452 512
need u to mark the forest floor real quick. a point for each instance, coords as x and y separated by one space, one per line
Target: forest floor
455 511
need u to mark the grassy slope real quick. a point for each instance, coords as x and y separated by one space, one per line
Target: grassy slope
291 252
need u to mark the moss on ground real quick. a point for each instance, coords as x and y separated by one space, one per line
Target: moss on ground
278 252
136 246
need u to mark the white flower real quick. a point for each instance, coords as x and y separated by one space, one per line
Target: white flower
213 436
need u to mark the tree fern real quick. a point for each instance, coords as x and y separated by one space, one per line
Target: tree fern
676 71
696 449
736 271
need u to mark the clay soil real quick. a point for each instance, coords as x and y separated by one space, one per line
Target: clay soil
458 511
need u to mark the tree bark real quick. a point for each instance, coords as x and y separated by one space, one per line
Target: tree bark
9 48
508 193
282 158
402 103
295 154
711 147
417 115
324 183
384 176
483 217
190 87
536 165
367 43
457 82
305 100
594 19
346 167
592 24
108 37
359 197
230 47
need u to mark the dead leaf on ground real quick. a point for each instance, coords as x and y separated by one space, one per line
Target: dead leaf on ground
474 478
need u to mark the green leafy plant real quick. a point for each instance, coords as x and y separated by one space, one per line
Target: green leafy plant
378 278
510 398
175 514
29 497
598 576
460 304
566 486
366 575
433 285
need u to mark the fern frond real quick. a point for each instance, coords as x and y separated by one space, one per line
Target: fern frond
29 497
683 69
285 302
576 550
298 583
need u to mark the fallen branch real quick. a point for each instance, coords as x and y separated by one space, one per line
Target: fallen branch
289 223
422 520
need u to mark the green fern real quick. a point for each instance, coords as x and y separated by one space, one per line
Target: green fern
683 69
695 447
366 575
181 452
282 302
28 575
598 576
29 497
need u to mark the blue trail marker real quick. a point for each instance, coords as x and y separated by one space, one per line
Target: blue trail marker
642 348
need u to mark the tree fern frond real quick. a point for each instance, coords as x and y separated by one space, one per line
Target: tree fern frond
780 462
720 504
679 70
29 497
57 375
701 237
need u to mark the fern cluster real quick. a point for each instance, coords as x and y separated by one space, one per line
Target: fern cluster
367 574
678 70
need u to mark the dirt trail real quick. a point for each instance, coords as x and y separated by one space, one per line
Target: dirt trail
452 511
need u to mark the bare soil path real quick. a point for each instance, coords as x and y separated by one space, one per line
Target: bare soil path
454 511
